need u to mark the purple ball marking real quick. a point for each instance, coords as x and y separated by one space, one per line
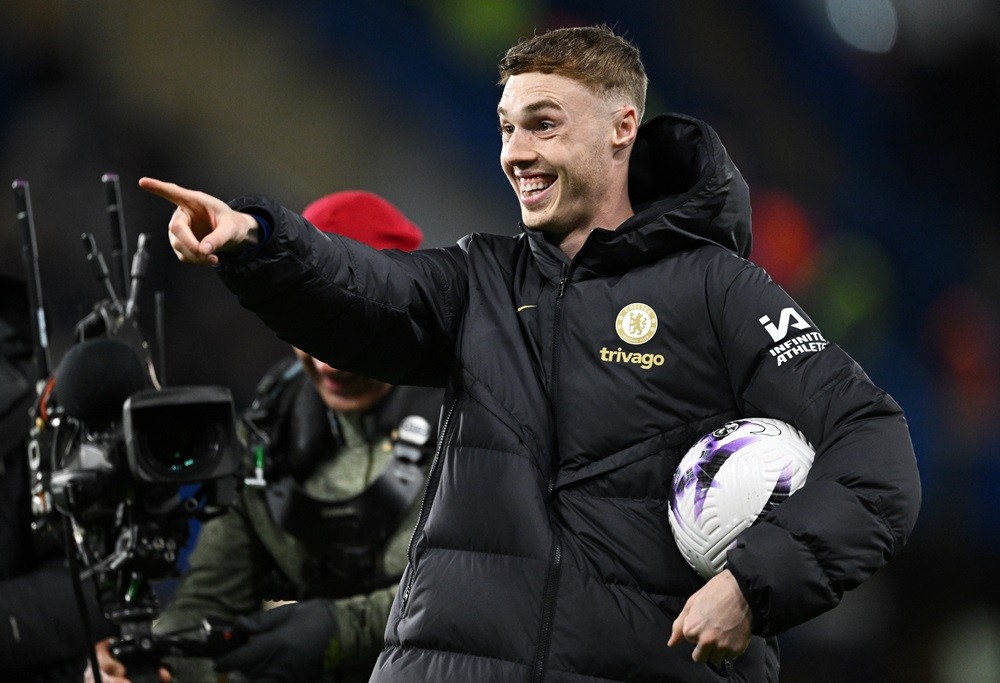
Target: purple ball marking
701 476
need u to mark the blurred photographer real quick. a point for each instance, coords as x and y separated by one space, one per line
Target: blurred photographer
42 634
344 459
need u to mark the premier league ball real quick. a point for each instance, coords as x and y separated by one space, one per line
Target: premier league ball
730 479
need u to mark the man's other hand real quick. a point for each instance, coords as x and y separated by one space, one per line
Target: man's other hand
716 618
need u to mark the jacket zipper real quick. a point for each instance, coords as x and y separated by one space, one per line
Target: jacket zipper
557 318
432 481
548 607
556 321
555 561
563 277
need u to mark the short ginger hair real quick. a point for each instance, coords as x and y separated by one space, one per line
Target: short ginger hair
592 55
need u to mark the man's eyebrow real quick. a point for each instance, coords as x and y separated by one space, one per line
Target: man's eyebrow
534 107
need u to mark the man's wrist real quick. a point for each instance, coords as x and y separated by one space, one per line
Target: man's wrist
259 232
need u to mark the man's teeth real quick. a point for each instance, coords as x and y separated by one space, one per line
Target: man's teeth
534 185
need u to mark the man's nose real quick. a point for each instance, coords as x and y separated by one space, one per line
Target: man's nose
518 150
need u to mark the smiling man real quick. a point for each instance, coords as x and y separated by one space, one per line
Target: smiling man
582 357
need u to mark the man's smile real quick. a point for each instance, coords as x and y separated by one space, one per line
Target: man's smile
531 188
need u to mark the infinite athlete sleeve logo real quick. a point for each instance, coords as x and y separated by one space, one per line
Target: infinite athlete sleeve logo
810 342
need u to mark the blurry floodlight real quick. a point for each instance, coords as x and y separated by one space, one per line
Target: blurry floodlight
867 25
967 647
784 238
481 30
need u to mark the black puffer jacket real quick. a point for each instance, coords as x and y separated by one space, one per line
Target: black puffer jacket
543 550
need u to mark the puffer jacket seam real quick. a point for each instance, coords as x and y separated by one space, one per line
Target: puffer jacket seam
347 290
636 587
806 541
619 584
578 675
500 451
428 547
598 496
822 389
424 648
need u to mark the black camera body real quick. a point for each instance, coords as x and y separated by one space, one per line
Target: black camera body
116 439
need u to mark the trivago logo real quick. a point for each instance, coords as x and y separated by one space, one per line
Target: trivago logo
643 360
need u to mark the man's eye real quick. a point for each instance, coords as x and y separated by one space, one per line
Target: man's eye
506 129
545 125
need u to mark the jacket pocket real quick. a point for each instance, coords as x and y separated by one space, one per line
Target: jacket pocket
669 443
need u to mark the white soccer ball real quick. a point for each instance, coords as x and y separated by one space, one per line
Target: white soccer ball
728 480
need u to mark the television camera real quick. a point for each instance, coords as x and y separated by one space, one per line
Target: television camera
120 463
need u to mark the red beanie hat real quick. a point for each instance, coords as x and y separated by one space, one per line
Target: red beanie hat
365 217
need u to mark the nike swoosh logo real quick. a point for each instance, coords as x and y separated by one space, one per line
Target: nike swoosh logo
521 308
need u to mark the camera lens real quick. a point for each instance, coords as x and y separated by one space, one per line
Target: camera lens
181 435
180 441
183 449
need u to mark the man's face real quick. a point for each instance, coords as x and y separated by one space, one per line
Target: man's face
557 151
341 391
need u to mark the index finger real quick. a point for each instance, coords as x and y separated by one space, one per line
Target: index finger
170 191
677 629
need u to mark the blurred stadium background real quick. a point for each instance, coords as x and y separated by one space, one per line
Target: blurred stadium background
866 129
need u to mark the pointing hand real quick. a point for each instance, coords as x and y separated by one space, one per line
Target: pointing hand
202 225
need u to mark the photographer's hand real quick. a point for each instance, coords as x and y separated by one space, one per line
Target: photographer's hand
203 225
288 643
113 671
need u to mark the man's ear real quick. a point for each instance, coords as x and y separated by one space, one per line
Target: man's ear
626 127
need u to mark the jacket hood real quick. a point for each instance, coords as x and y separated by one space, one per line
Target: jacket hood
681 176
685 190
